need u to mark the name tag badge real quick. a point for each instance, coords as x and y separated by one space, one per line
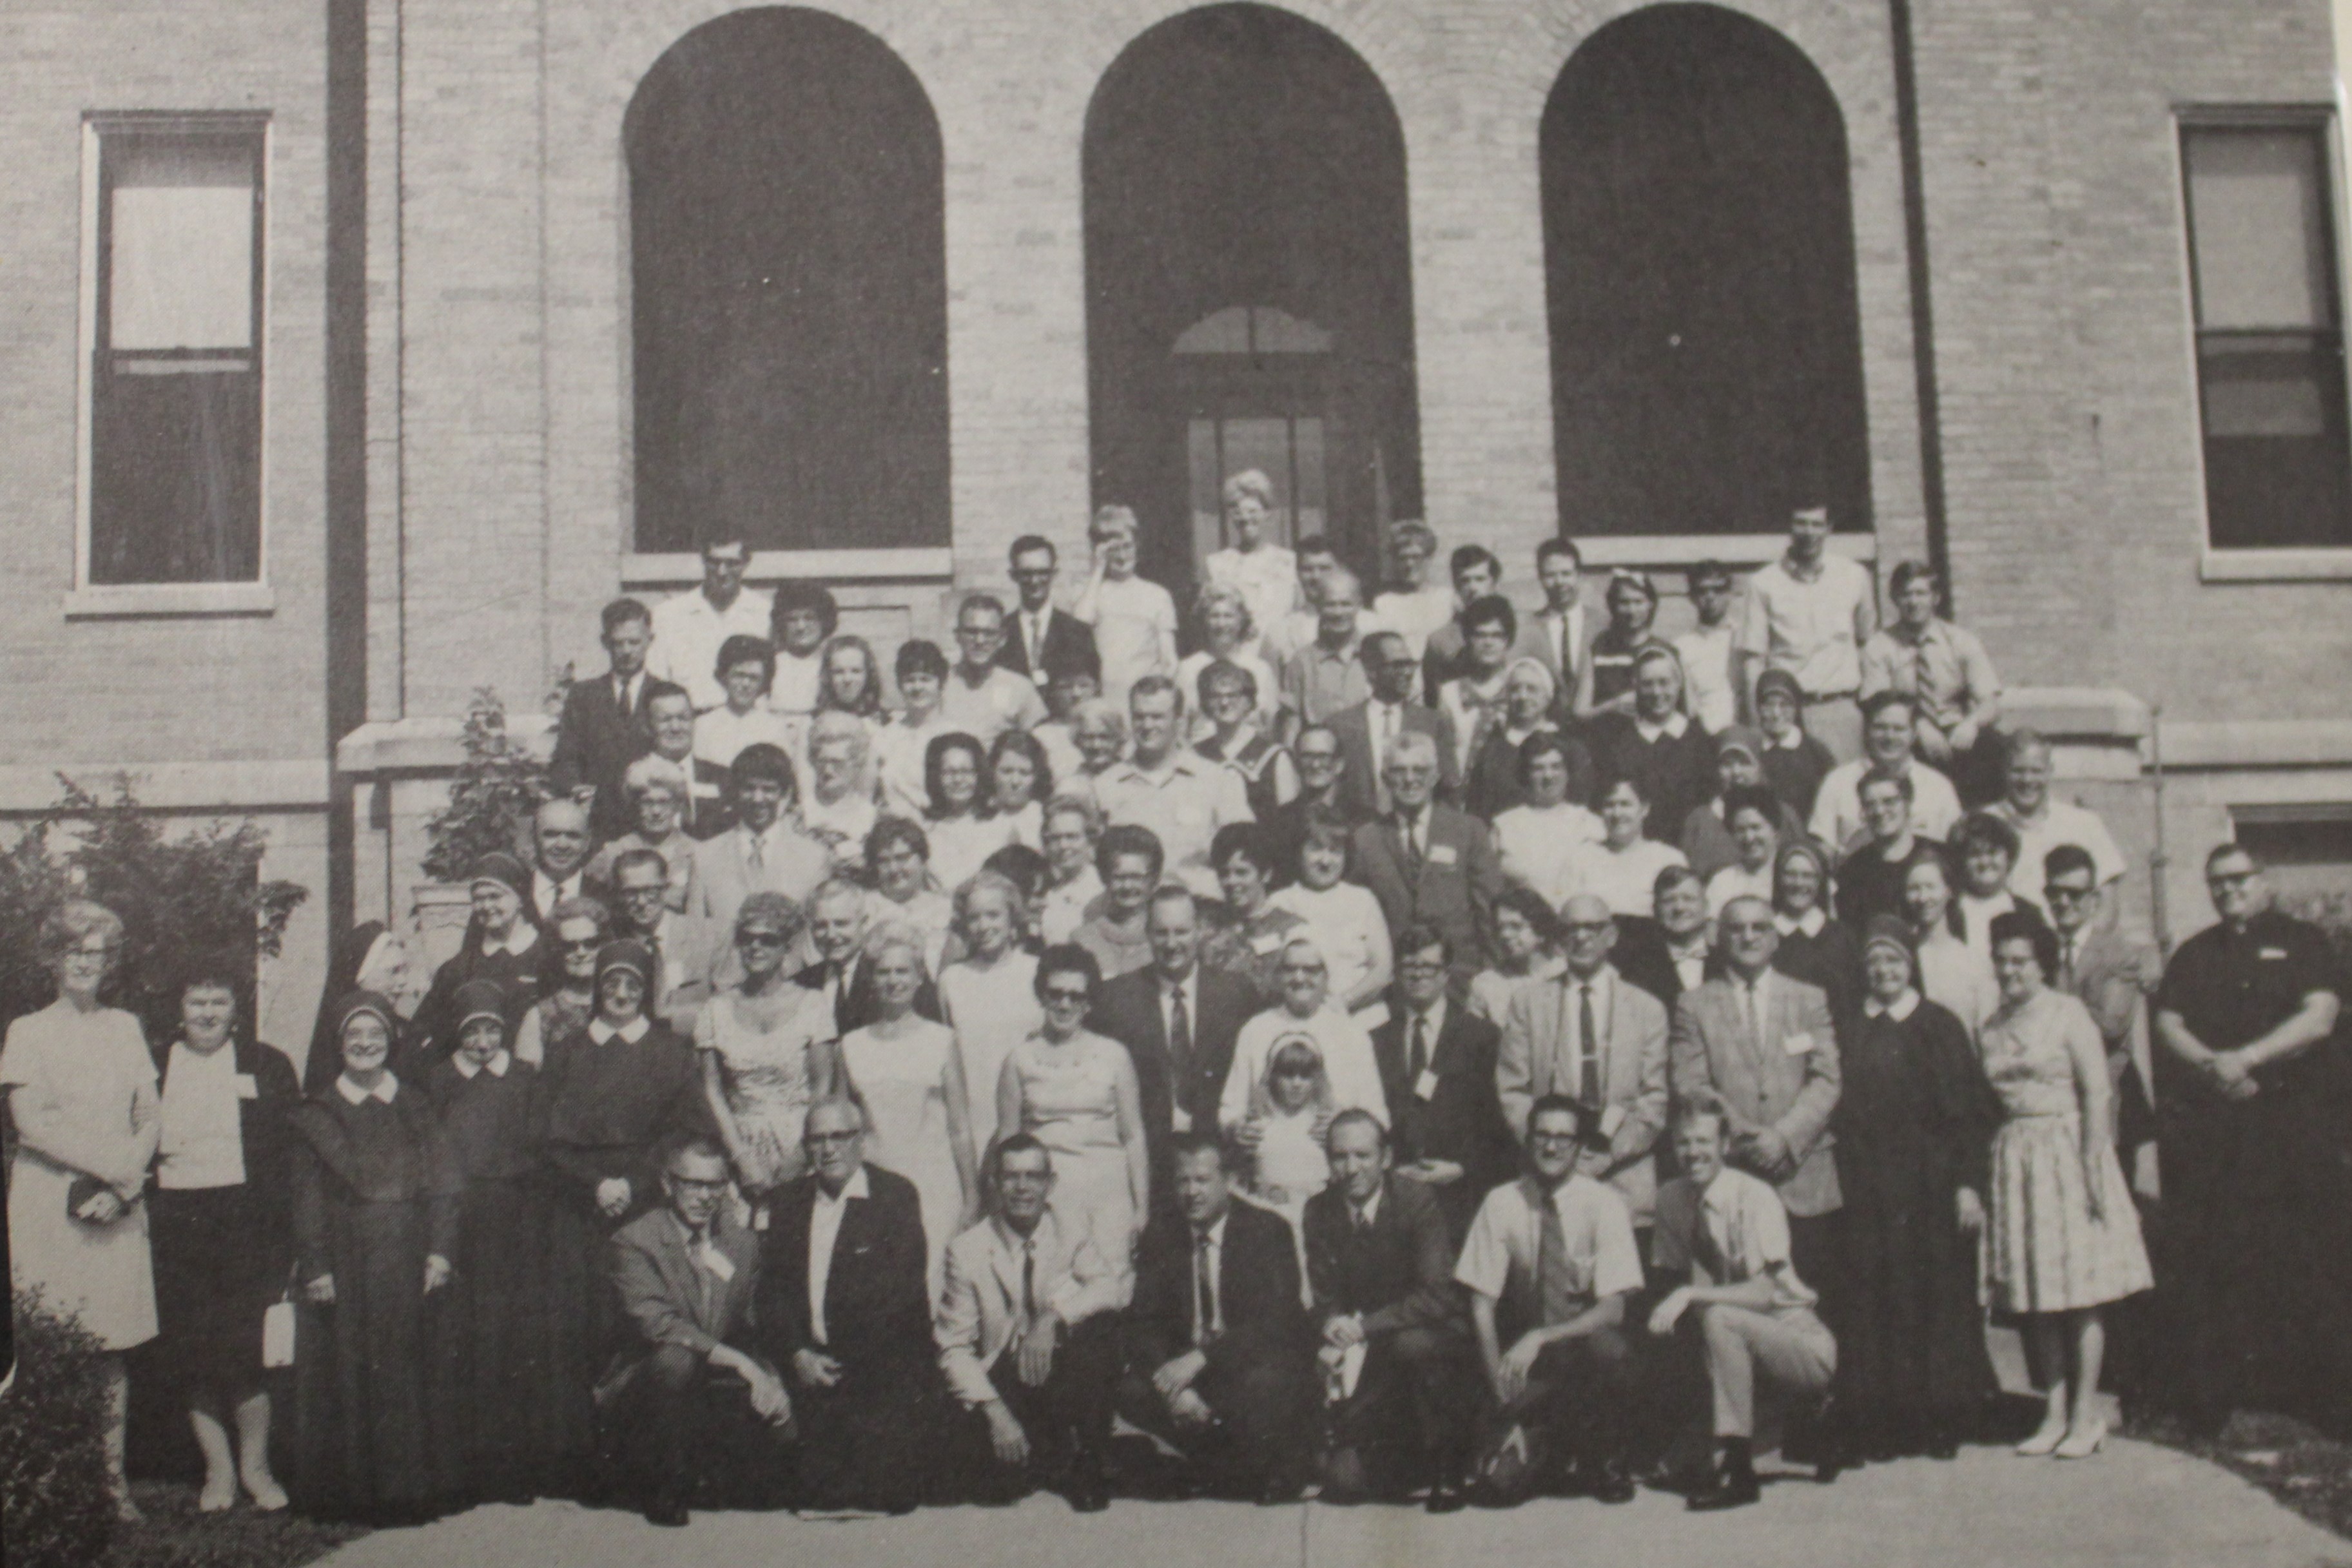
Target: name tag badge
1796 1044
247 1089
1611 1118
1267 942
722 1266
1443 854
2273 955
1425 1086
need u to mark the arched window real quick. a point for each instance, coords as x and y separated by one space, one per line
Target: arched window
1249 290
789 244
1698 261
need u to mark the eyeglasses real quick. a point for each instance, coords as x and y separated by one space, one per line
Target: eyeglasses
696 1185
1553 1140
830 1140
1063 997
761 939
586 945
2068 894
1420 967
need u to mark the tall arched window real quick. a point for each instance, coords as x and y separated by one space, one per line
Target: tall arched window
1699 260
789 243
1249 285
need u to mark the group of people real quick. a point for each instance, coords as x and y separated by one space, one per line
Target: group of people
1409 1049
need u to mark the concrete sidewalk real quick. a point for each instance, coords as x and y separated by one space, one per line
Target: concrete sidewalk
2135 1506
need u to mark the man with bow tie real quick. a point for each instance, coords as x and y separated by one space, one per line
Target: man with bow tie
1025 1333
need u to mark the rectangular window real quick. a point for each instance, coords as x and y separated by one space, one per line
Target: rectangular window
2270 340
175 329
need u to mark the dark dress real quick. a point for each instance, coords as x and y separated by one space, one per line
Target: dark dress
517 976
609 1106
375 1191
1830 959
494 1333
1492 787
1795 774
1915 1124
223 1254
1612 658
1868 884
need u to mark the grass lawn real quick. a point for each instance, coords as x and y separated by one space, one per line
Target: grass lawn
2292 1460
174 1536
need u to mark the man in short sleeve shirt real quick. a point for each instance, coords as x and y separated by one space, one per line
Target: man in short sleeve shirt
1810 612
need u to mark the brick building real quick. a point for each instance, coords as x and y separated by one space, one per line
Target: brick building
477 311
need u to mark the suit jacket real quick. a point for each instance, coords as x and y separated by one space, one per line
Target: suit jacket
1765 1084
670 1298
724 876
1644 956
854 1005
1257 1293
1127 1010
1540 640
1359 782
877 1311
268 1144
1399 1274
980 1300
2112 975
594 744
710 809
1534 1061
1452 886
1460 1119
696 959
1069 645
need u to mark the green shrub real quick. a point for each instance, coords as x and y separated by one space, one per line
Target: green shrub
177 892
56 1511
497 789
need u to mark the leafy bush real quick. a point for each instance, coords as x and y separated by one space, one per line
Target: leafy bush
497 788
177 892
55 1508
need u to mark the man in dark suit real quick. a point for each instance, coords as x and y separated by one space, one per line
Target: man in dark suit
1219 1355
603 727
710 800
1658 746
1366 728
843 1305
1178 1021
1674 950
1428 863
1040 640
688 1399
1437 1072
837 919
1379 1262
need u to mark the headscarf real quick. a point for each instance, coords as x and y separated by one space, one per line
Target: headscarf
502 868
480 999
629 953
356 1005
1318 1096
1886 930
1741 738
1784 682
1551 685
1810 851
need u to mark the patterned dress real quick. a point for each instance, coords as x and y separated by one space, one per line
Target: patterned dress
1069 1102
2048 1252
764 1067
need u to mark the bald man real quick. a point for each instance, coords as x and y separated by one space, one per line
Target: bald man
1592 1035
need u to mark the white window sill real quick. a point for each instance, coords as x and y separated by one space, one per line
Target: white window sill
2275 566
162 599
683 569
1676 550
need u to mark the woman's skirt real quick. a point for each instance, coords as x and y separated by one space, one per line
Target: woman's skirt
2047 1251
222 1258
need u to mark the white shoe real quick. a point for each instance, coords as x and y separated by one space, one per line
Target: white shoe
2082 1445
2043 1443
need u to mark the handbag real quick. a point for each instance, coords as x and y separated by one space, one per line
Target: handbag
81 1190
278 1328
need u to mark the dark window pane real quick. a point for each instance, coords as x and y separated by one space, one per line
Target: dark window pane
175 473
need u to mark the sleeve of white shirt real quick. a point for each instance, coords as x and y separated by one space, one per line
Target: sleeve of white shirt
1616 1260
1032 710
1485 1265
1828 808
1233 1104
1767 1229
1937 808
1755 634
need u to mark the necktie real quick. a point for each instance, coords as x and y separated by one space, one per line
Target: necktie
757 852
1705 1253
1028 1283
1037 645
2066 964
621 694
1588 1070
1555 1294
1204 1292
1179 1039
1754 1021
1363 1221
1420 1047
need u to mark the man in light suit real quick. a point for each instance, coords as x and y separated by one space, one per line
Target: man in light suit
1438 1072
1040 640
764 853
691 957
1557 633
843 1305
1365 728
1763 1043
688 1399
1025 1330
1594 1035
1428 863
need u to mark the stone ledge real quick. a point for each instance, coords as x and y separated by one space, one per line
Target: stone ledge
2080 713
276 784
2259 743
429 743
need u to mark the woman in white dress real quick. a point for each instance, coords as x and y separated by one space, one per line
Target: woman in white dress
989 996
903 1068
1537 843
1291 1108
1019 782
1072 826
80 1088
1952 974
1623 867
1075 1092
898 864
766 1045
963 832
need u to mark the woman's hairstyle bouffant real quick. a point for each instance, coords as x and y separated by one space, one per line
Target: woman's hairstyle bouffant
74 922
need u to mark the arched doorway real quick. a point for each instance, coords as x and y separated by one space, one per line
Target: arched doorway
1249 294
788 235
1699 268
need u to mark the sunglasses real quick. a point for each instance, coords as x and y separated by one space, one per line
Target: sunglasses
1067 998
589 944
761 939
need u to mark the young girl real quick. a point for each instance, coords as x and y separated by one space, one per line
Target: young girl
1606 683
1019 782
1292 1106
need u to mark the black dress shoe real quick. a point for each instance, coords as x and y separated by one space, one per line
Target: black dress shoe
1728 1488
1088 1496
1611 1484
668 1515
1447 1497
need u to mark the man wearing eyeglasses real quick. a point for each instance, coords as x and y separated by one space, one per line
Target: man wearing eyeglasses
2250 1151
685 954
1040 641
981 697
691 627
693 1401
845 1307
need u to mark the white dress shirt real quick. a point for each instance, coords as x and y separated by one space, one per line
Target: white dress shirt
825 1229
688 631
546 892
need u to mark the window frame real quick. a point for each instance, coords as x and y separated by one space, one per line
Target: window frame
2261 563
85 599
